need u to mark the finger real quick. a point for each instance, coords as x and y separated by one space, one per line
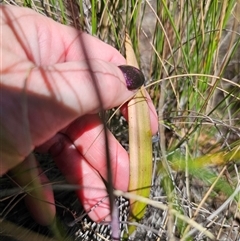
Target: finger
91 189
71 91
39 197
52 42
55 96
79 152
87 134
94 48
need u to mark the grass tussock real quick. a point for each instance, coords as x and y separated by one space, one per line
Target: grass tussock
189 53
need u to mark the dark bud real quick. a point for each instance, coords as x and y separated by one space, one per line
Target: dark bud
133 76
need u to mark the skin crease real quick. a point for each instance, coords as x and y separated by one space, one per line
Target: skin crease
49 104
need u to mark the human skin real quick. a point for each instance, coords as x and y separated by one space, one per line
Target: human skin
49 104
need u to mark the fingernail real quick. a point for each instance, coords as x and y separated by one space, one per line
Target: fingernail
133 76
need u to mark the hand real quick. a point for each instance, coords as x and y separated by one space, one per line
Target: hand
49 103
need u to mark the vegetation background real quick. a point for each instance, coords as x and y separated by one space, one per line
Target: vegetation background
189 53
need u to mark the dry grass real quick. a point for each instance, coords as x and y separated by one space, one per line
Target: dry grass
189 54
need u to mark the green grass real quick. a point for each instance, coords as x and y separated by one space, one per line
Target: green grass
187 71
